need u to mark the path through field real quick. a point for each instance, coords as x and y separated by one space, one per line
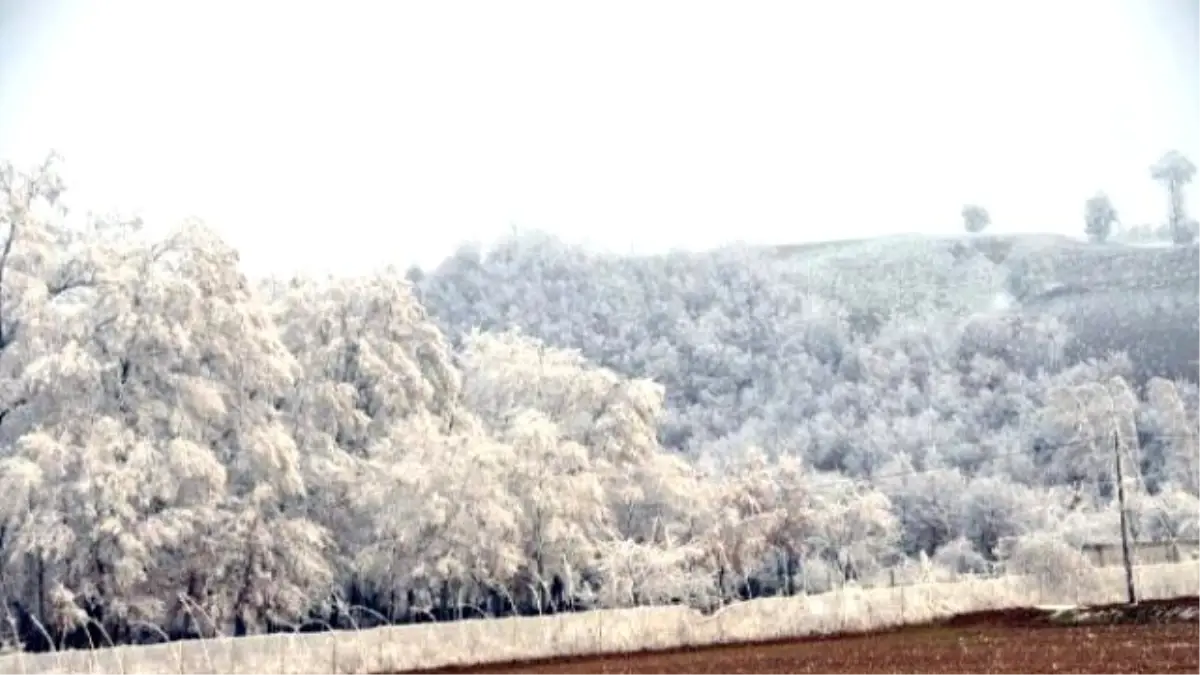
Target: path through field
994 642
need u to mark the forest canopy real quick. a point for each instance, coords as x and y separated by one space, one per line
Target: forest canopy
532 428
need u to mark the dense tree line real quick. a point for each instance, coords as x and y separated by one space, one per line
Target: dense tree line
185 452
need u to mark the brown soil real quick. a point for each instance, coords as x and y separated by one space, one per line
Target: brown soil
1154 637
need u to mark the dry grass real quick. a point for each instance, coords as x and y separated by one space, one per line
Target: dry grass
427 646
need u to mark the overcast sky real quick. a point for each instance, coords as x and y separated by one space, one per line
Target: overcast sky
340 136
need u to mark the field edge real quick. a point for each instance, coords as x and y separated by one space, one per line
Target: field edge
1178 609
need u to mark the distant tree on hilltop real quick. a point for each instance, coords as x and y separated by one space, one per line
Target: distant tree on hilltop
1174 171
1099 216
975 218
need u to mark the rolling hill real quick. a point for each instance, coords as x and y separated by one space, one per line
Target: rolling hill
1138 299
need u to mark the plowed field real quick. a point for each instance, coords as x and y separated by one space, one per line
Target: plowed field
1156 637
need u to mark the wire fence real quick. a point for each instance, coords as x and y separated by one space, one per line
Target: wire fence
422 647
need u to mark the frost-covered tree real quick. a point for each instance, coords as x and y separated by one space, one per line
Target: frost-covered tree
369 355
74 524
1083 428
443 526
1172 516
856 527
635 574
172 367
745 516
1175 171
960 557
615 418
975 218
796 524
929 509
1048 559
1099 215
995 510
561 498
1171 453
371 365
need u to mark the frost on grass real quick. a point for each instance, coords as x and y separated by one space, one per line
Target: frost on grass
423 647
533 429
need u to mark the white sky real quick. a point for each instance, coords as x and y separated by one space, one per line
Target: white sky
337 136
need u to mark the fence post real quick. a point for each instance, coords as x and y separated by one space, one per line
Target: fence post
1124 522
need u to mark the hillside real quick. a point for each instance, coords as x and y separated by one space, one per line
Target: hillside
1141 300
801 349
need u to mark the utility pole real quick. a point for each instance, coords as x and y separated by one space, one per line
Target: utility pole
1124 521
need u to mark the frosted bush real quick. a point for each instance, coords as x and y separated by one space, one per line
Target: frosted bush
960 557
818 576
1045 557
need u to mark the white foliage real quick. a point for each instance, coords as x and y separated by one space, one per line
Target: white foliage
614 418
634 574
181 450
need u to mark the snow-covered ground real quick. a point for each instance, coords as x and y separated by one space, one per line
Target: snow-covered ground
427 646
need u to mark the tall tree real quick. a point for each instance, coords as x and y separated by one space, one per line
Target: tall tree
1175 171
